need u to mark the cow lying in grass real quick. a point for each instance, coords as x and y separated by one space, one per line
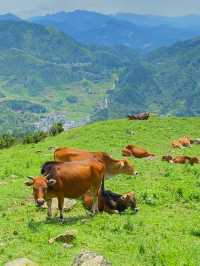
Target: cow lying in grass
182 142
111 202
132 150
181 159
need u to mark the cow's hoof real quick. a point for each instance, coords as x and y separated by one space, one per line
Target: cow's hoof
136 210
61 220
49 218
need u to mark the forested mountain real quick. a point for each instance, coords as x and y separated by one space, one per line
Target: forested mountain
166 82
96 29
190 21
47 69
10 17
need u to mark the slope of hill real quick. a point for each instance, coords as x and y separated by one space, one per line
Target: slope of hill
164 232
166 82
94 28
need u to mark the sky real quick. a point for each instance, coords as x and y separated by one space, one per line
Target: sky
28 8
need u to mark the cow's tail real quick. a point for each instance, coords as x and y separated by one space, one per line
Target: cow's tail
102 189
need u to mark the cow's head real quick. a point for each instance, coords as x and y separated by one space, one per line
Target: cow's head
40 185
126 152
126 168
129 200
194 160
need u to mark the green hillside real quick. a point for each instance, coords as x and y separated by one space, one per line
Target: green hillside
165 231
165 81
45 67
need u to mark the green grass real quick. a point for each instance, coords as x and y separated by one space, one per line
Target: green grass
166 230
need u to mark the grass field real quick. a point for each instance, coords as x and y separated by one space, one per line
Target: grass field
166 230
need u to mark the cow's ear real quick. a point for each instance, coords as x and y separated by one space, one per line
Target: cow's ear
28 183
51 182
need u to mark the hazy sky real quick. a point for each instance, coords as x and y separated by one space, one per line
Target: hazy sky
28 8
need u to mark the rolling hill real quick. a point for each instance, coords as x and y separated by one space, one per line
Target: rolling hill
166 82
47 68
166 229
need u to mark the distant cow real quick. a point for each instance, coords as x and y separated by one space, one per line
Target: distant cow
185 159
111 202
140 116
112 166
182 142
180 159
167 158
67 179
132 150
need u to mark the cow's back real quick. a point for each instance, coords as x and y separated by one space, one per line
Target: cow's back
76 178
73 154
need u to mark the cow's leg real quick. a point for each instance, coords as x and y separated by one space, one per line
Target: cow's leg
49 212
60 207
95 205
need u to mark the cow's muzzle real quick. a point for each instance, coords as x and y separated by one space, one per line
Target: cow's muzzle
136 173
40 202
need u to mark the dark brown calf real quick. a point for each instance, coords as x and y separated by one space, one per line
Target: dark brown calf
111 202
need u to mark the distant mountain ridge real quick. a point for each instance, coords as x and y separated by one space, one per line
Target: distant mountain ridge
10 17
140 32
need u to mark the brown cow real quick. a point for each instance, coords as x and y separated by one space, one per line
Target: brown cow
136 152
167 158
112 166
182 142
185 159
67 179
111 202
140 116
180 159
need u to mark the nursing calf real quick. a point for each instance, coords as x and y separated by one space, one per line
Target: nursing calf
111 202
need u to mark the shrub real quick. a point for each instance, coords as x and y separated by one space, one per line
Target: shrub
34 137
6 141
56 129
72 99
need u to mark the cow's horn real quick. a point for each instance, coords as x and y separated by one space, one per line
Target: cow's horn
30 177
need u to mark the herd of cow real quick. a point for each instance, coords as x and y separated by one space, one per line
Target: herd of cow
76 173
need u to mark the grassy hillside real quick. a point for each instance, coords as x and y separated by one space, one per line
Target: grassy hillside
166 230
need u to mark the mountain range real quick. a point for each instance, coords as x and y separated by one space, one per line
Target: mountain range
144 33
46 75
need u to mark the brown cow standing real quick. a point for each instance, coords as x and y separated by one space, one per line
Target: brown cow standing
67 179
111 202
140 116
136 152
112 166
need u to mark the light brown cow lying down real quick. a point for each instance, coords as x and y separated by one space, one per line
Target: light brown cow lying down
132 150
112 166
180 159
182 142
